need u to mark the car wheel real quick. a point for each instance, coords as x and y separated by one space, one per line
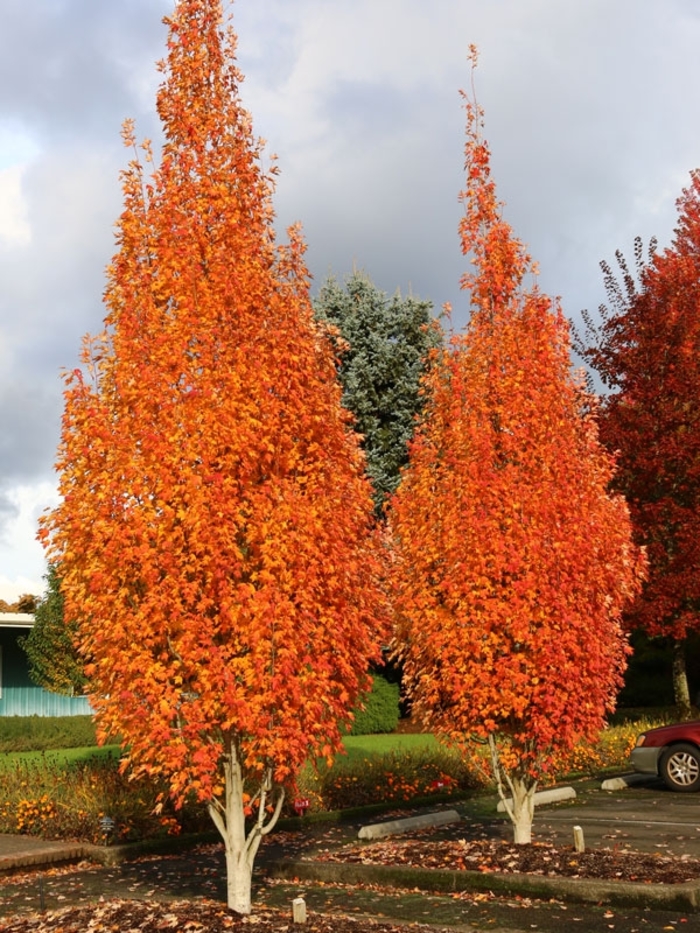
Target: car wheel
680 768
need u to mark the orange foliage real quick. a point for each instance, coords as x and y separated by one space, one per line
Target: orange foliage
513 562
213 534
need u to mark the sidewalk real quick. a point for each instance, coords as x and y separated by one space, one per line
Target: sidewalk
33 852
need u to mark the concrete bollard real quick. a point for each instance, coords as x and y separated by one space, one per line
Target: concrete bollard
579 844
407 825
544 796
299 910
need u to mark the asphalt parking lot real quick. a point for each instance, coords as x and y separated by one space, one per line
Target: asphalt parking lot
646 817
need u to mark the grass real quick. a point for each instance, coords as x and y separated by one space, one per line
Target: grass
357 747
60 756
365 746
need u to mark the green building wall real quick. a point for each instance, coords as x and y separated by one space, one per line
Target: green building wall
19 696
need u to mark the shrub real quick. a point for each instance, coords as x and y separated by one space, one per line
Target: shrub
611 751
396 777
381 712
72 801
41 733
644 715
69 801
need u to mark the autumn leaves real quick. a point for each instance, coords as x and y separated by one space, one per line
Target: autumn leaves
213 534
216 535
514 560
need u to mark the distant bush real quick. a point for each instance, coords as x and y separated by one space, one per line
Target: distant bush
381 713
660 715
70 801
611 751
42 733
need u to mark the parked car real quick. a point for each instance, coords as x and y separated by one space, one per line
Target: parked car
671 752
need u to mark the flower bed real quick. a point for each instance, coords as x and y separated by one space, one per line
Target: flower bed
88 800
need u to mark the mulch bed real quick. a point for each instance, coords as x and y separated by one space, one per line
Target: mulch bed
539 858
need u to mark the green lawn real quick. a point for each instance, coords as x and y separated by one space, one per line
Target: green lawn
364 746
60 756
357 747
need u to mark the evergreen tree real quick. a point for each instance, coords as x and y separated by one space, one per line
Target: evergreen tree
385 346
53 661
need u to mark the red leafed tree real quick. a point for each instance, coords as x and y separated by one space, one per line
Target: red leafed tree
213 533
513 562
648 352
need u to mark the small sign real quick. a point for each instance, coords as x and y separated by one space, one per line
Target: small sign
301 805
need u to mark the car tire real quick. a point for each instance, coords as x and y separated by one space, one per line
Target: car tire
680 768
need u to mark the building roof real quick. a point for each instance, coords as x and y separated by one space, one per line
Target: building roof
16 620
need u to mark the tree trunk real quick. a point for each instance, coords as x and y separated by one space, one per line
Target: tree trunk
520 806
523 810
681 692
229 818
239 881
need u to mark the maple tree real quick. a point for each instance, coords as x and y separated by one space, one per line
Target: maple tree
214 529
512 560
385 344
647 351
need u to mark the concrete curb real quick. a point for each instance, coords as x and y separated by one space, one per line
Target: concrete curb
35 853
396 827
544 796
111 856
682 897
44 855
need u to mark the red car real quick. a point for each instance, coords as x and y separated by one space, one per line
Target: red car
672 753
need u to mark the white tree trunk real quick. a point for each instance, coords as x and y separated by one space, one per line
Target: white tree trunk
239 881
229 819
520 806
523 810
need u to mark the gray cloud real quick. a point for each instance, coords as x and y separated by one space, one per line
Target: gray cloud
74 65
591 114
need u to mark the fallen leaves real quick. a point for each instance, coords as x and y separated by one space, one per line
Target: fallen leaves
121 916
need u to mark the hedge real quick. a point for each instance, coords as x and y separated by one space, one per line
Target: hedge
42 733
381 712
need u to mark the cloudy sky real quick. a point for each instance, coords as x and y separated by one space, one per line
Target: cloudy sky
592 113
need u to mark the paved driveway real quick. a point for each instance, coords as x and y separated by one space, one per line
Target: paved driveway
645 817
